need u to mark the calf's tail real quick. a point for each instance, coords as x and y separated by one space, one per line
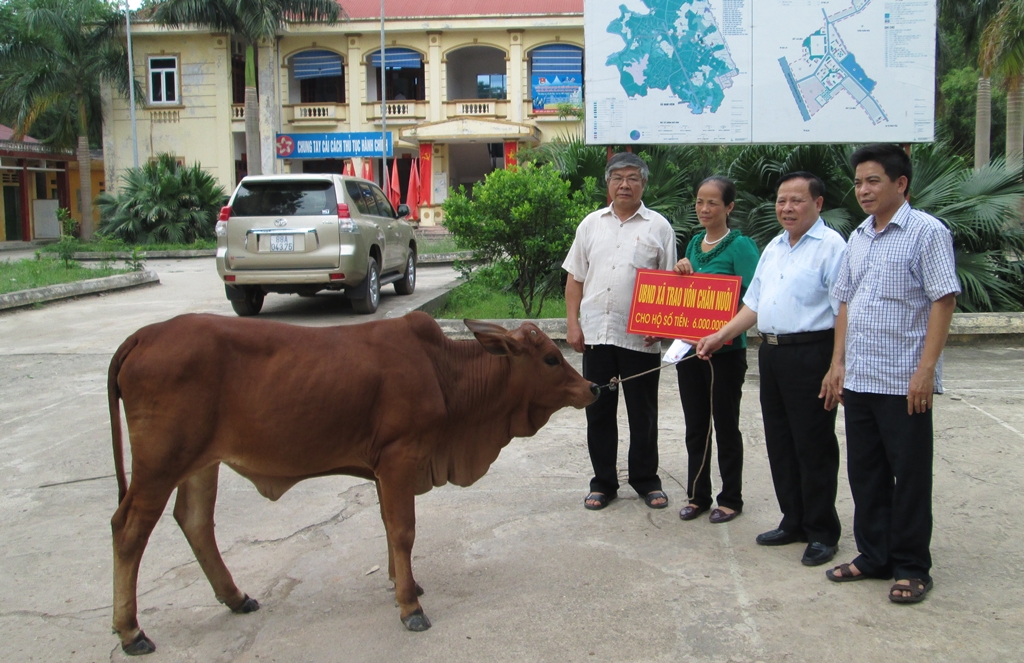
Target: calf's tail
114 404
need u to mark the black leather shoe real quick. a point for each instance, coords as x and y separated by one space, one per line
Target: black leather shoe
690 512
779 537
818 553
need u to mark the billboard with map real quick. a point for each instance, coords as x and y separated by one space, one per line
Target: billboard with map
788 71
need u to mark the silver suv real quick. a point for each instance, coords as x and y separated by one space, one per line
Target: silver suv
300 234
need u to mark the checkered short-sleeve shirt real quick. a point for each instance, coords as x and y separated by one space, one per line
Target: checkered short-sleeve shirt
889 280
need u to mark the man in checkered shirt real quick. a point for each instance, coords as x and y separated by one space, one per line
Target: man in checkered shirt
897 286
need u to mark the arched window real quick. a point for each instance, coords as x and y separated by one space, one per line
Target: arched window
403 74
556 77
320 75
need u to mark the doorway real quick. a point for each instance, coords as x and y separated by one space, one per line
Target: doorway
12 213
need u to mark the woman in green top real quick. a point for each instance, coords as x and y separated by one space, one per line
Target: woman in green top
717 250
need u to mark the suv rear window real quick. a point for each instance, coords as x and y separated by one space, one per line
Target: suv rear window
292 198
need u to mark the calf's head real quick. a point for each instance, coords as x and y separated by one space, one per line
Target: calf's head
538 370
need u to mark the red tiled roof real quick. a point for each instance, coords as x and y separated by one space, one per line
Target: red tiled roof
7 132
364 9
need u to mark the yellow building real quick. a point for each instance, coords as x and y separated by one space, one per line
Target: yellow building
463 92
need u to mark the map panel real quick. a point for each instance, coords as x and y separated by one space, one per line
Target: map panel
697 71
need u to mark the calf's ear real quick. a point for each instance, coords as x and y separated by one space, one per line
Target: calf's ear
495 338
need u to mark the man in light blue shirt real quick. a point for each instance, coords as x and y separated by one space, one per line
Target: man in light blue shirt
789 300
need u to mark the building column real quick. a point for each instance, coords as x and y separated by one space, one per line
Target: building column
354 79
434 65
26 217
514 76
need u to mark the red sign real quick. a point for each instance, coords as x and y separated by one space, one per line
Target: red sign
670 305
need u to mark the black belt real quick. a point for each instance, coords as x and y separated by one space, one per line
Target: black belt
802 337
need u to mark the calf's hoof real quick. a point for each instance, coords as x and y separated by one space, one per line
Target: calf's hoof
139 646
248 605
417 621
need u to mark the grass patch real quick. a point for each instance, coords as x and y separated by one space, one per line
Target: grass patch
105 245
485 296
444 244
27 274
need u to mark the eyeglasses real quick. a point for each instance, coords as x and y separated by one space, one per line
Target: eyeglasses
633 180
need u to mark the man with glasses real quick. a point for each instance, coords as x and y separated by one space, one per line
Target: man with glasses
611 245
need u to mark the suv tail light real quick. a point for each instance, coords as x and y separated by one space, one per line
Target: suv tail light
345 222
222 221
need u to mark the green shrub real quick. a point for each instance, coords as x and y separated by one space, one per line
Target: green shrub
525 218
162 202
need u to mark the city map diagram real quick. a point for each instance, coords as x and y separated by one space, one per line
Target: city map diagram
736 71
678 46
828 68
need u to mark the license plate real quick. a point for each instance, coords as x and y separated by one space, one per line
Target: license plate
282 243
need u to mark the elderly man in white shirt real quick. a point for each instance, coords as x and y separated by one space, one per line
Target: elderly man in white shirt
789 299
611 245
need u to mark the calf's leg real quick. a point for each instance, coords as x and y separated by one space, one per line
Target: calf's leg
132 524
398 507
193 510
391 553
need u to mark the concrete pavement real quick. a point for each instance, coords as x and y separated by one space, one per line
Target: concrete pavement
514 568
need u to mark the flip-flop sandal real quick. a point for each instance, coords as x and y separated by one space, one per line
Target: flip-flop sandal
654 495
601 499
917 588
844 574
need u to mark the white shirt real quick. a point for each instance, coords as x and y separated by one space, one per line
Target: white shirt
791 288
604 257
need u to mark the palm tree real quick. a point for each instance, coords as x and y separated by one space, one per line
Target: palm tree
1002 52
54 55
251 21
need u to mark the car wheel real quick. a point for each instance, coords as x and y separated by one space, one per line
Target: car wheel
369 302
407 284
251 304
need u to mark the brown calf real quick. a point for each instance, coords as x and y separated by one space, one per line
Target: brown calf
393 401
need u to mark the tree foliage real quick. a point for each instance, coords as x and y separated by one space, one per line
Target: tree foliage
526 217
162 201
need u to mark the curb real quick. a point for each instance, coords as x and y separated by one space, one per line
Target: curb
443 258
966 328
425 259
66 290
126 255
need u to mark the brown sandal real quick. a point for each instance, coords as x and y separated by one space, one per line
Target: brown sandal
917 588
844 575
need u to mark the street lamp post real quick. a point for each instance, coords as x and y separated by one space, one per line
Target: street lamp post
131 84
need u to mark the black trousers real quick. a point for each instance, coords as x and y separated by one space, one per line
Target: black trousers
889 460
800 436
601 363
695 393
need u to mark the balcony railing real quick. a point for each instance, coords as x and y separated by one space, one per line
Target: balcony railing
164 116
237 112
477 108
318 113
397 110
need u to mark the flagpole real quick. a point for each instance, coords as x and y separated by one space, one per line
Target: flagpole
383 103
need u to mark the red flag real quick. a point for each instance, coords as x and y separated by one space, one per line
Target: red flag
349 170
367 169
412 196
394 189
